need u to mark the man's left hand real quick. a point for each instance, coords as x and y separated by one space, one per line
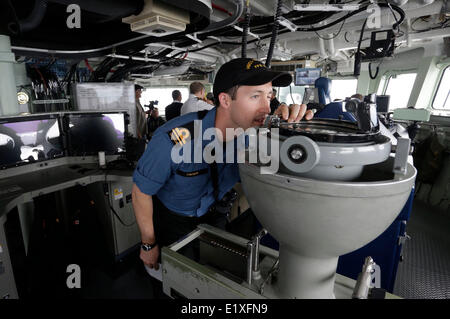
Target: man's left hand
293 112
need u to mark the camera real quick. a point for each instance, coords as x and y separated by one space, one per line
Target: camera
151 105
364 111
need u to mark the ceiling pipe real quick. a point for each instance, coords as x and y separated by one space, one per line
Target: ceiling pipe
206 51
331 49
171 70
35 17
192 56
333 53
399 3
322 53
229 21
128 57
408 33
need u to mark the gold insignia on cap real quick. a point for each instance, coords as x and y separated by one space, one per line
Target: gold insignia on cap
180 135
254 65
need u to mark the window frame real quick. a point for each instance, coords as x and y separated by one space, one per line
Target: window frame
383 79
390 74
438 87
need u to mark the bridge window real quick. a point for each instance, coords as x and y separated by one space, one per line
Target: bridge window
342 88
442 97
399 89
290 95
163 96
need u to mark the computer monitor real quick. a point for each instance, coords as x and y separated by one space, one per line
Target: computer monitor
93 132
29 139
306 76
382 103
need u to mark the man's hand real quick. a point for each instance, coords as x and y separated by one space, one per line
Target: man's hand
150 258
293 112
143 210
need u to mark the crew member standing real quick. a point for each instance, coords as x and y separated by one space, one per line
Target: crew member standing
274 103
173 109
141 116
154 121
196 101
210 98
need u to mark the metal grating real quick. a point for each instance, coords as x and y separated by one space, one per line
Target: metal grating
425 271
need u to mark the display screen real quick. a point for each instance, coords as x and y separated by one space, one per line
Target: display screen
90 133
24 141
382 103
306 76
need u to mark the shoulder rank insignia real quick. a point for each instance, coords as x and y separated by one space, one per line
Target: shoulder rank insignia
180 135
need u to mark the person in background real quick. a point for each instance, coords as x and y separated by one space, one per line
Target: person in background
210 98
141 116
196 101
173 110
154 121
358 96
274 103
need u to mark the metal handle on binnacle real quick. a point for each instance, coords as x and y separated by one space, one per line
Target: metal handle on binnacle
362 286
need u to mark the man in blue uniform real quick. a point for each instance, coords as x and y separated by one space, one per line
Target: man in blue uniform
170 198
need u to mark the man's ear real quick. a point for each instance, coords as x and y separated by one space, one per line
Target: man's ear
224 100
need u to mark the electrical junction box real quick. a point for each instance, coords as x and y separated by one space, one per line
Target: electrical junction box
291 65
115 212
382 44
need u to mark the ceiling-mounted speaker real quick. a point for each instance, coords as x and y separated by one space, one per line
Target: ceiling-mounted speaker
158 19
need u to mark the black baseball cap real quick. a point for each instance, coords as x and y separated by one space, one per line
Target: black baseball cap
138 87
245 71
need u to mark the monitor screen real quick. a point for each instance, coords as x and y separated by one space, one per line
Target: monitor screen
306 76
382 103
29 139
90 133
